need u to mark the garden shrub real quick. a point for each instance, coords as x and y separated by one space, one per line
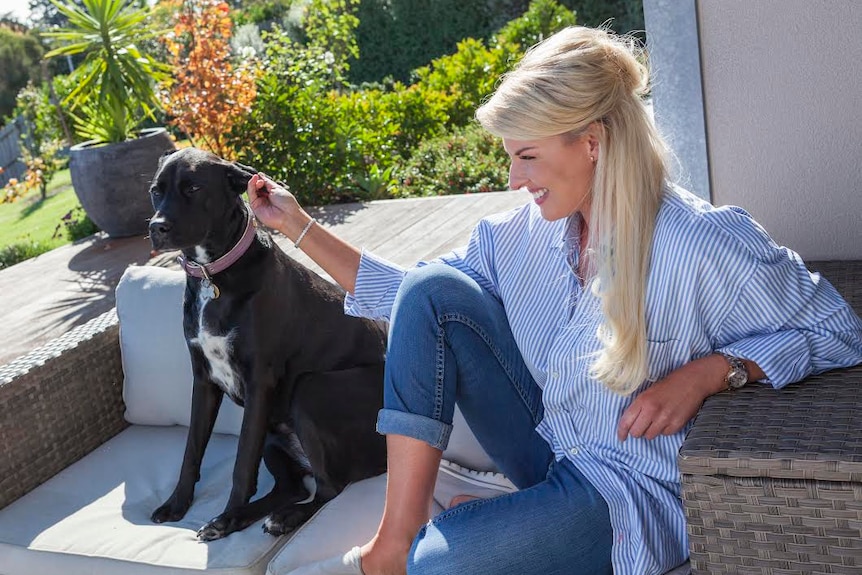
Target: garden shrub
542 19
469 75
18 252
41 141
207 94
76 224
324 143
330 25
330 143
247 42
467 160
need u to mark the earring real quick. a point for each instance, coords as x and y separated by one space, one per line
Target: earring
593 159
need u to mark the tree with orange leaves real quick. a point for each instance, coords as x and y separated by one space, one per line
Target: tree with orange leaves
207 95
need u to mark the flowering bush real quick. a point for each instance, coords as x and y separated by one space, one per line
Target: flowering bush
11 191
40 142
207 94
39 172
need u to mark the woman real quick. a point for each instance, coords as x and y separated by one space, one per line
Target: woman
578 334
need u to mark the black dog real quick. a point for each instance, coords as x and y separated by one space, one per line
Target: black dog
273 336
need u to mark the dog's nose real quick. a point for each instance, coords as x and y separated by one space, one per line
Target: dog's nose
159 227
159 232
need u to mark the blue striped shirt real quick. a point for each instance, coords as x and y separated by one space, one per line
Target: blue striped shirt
717 282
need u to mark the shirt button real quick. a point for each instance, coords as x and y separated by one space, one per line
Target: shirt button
574 451
555 374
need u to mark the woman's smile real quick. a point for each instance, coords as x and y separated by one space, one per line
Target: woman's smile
539 195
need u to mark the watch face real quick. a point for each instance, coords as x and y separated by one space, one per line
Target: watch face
737 379
738 374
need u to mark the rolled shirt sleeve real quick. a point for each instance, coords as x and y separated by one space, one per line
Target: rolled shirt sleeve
378 279
376 285
788 320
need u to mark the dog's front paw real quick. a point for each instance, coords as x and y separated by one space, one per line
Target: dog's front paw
221 526
215 529
173 509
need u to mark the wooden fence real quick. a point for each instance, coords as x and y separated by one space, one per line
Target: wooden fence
10 152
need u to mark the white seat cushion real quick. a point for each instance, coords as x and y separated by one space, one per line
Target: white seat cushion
94 517
351 518
348 520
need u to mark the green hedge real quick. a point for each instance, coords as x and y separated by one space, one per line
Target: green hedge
397 36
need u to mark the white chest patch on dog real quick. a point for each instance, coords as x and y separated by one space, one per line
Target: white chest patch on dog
217 350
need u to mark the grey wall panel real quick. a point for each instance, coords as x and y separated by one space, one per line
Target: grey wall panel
782 88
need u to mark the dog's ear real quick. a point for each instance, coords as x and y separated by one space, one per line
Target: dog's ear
248 169
238 176
165 155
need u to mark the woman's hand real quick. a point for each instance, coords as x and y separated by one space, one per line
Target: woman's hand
666 406
274 206
278 209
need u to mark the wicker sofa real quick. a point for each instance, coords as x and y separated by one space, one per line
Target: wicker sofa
772 481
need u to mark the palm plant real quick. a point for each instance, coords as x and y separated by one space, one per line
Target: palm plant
114 89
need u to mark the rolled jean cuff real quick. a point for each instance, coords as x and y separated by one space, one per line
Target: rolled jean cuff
434 433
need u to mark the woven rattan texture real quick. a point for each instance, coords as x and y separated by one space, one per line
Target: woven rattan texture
772 480
58 403
773 526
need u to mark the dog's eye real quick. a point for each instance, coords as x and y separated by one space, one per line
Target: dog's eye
155 191
191 189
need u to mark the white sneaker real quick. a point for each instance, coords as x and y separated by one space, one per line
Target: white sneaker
347 564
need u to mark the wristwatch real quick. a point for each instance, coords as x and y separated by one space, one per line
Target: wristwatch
738 374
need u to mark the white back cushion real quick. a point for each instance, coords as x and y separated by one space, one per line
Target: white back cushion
157 386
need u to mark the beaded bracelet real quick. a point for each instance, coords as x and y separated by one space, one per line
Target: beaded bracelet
303 232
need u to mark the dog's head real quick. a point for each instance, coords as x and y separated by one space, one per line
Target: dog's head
194 192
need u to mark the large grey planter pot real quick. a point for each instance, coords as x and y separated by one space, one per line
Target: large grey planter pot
112 181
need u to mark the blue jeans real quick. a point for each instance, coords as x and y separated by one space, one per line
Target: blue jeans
450 342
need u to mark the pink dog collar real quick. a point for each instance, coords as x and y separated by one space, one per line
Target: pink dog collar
206 271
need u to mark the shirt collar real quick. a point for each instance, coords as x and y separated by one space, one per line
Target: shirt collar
568 242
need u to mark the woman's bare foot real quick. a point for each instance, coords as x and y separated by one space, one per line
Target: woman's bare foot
385 557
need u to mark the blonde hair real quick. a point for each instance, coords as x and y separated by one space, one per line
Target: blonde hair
563 85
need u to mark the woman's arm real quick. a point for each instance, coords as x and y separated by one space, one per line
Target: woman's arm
761 303
371 281
278 209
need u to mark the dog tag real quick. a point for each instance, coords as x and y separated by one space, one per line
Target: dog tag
209 289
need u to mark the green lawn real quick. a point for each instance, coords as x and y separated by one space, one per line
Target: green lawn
31 219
